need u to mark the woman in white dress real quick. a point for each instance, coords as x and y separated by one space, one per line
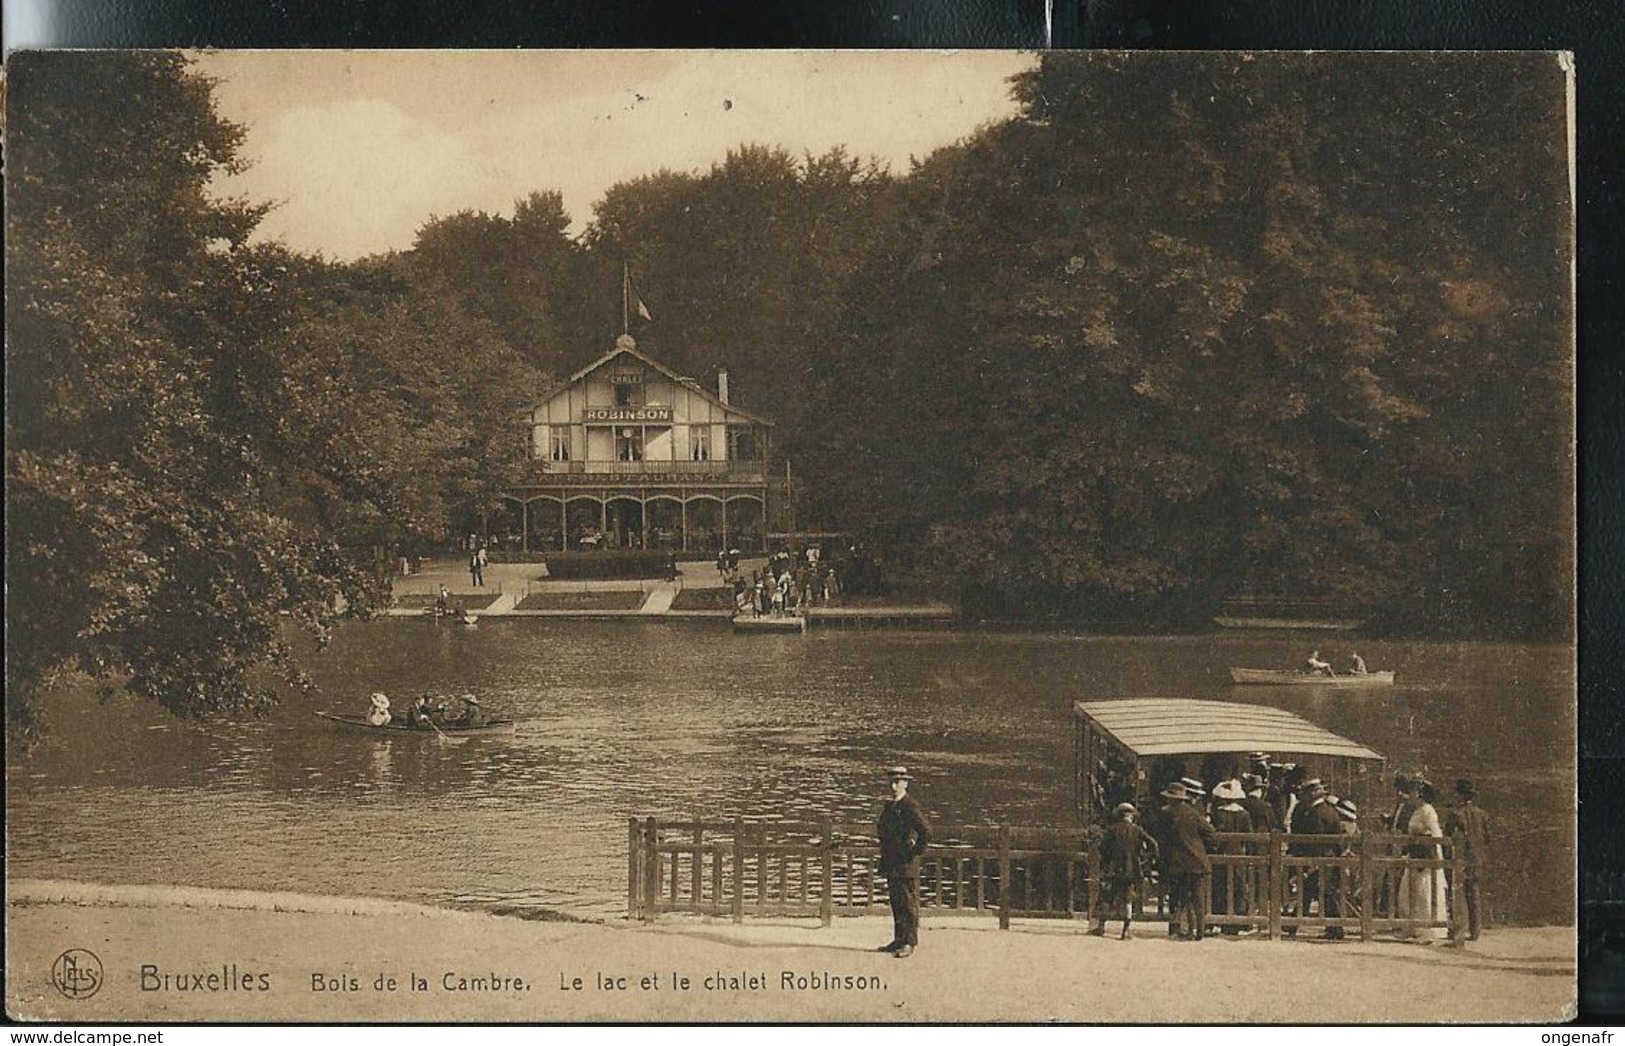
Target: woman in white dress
1422 890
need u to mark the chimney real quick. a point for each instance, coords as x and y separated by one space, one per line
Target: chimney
722 386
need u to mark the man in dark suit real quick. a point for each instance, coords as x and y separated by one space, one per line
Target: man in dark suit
1257 806
1471 825
1124 851
1182 852
904 834
1316 826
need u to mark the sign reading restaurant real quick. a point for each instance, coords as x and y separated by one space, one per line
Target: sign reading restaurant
628 414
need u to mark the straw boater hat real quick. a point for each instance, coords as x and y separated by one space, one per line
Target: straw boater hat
1259 757
1193 786
1229 791
1347 810
1314 784
1175 791
1125 808
899 773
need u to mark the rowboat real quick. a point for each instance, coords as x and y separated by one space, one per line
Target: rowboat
493 726
1274 677
467 617
768 623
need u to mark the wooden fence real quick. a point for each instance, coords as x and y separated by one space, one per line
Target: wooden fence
1259 882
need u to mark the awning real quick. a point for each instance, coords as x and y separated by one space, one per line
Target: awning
1155 726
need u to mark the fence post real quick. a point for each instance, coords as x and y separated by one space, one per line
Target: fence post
1368 889
1091 869
634 871
1004 877
739 870
697 872
826 902
1277 888
1458 890
651 869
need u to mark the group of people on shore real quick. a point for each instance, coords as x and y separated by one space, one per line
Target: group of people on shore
787 584
427 713
1183 833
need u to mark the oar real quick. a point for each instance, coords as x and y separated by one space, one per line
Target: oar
445 736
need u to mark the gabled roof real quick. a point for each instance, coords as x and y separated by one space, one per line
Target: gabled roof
1156 726
676 378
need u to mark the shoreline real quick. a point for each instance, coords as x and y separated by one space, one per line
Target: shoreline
324 958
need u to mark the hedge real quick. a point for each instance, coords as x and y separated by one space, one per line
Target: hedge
610 564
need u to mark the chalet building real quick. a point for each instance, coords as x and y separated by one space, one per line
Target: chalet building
628 454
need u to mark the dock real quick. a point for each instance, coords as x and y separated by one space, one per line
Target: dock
768 623
523 590
920 615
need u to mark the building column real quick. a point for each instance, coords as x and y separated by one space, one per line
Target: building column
564 523
725 544
683 510
524 526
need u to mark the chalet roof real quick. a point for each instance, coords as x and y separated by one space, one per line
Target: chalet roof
690 383
1157 726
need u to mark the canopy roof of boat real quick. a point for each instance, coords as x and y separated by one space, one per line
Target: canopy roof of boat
1157 726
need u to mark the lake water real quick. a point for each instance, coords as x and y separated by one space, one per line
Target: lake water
685 718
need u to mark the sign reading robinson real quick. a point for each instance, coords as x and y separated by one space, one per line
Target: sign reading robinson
628 414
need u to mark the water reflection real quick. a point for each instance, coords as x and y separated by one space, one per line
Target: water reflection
619 720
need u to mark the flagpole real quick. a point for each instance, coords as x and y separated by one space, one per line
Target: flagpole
626 294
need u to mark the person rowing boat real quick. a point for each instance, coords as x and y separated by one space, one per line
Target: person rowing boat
471 715
1316 667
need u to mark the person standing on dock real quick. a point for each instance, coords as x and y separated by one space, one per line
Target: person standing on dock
1470 825
904 834
1126 854
1182 857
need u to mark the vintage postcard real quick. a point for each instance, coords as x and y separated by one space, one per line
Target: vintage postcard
790 536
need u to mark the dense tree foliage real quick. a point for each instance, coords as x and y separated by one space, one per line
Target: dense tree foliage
206 440
1188 326
1198 325
745 268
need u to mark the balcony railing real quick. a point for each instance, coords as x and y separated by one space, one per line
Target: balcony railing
735 471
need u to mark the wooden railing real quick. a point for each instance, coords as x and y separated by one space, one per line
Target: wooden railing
804 870
730 469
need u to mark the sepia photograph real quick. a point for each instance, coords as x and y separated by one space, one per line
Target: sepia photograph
790 536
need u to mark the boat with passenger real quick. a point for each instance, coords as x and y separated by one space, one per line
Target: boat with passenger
1275 677
395 726
760 623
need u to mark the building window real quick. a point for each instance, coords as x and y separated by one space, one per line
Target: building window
699 443
559 443
629 444
743 443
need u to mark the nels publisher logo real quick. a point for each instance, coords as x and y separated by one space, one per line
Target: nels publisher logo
77 973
